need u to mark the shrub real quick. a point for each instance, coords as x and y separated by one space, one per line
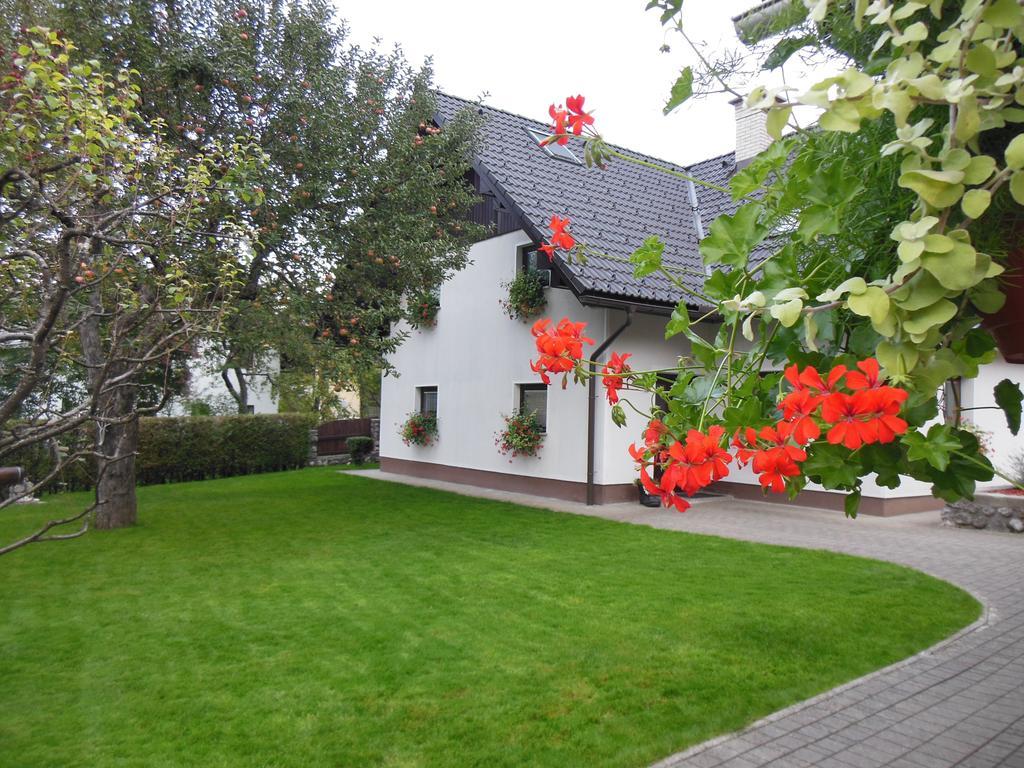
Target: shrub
522 435
419 429
525 296
360 449
189 448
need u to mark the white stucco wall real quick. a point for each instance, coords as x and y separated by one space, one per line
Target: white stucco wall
475 356
990 420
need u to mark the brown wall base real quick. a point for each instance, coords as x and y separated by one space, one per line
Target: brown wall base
613 494
504 481
834 501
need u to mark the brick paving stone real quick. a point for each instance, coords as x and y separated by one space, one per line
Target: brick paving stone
959 704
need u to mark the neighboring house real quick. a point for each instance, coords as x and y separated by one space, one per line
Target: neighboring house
206 393
473 366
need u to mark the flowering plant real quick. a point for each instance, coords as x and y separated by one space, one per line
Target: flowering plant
806 275
522 435
423 310
526 297
419 429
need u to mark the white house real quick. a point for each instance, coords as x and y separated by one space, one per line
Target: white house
472 367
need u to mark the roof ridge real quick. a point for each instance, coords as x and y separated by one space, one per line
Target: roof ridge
643 155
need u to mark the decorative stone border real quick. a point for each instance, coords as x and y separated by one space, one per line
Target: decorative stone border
992 511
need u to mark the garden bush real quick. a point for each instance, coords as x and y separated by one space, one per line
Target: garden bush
190 448
360 448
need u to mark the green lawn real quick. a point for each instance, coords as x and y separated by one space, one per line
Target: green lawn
310 619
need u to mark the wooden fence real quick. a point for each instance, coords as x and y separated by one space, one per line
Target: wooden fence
332 436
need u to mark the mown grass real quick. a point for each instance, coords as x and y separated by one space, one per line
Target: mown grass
310 618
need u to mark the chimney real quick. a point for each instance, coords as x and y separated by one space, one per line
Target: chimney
751 132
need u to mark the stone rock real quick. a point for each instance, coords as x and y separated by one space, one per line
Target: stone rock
1016 525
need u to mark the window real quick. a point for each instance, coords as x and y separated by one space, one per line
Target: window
531 260
554 149
533 398
427 397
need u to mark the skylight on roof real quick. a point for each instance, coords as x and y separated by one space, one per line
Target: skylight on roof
561 151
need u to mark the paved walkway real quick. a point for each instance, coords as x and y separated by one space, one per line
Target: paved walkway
960 703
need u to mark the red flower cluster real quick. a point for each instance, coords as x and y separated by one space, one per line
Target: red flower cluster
568 119
868 413
774 458
560 347
612 375
560 239
686 467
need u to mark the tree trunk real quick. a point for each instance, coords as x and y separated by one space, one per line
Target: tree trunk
115 491
117 430
240 394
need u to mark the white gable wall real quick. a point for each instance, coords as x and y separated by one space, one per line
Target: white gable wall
475 355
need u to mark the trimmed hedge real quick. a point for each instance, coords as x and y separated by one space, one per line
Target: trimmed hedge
193 448
205 447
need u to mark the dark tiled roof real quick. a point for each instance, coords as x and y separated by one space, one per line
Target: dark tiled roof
612 211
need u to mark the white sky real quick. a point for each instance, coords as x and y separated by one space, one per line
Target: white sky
526 54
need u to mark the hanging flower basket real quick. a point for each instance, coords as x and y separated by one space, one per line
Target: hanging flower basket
526 297
419 429
522 435
423 310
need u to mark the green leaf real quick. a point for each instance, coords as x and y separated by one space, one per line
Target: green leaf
647 258
679 322
1015 153
1009 398
852 503
682 89
722 285
955 269
732 238
930 317
873 303
935 447
785 48
976 202
818 220
1017 187
940 189
777 120
788 312
1003 13
832 466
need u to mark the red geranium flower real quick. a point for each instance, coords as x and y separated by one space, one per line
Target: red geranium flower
560 347
559 117
612 375
799 408
686 466
578 119
560 238
809 378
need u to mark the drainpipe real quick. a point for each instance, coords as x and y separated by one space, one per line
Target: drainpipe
592 403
